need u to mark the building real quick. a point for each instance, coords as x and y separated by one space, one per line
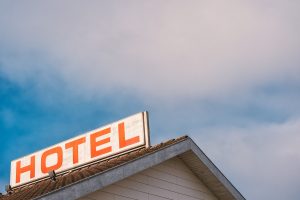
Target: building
176 169
117 162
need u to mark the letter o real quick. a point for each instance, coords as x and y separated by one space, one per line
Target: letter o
55 150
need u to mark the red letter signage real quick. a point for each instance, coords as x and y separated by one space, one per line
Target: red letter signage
102 143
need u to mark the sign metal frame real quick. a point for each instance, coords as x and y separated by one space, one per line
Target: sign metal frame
145 144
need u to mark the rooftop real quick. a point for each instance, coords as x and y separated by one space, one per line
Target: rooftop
96 175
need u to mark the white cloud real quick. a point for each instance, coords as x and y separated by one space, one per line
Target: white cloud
159 49
264 161
177 51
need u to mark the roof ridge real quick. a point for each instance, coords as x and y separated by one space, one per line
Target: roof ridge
86 171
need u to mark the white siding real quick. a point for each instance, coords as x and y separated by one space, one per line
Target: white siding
169 180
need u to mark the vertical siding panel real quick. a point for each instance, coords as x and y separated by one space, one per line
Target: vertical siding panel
126 192
153 197
96 195
171 180
120 198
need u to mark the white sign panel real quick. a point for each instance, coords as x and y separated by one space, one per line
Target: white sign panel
116 138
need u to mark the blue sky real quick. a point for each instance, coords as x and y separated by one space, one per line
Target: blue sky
225 73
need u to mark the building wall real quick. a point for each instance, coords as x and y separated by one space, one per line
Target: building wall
169 180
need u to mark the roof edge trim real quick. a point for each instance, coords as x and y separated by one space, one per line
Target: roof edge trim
118 173
215 171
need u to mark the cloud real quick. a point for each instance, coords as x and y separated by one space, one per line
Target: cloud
160 50
226 72
263 160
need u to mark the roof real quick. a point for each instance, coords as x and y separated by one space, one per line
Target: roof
80 182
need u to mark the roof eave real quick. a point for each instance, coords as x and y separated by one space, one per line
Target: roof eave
187 150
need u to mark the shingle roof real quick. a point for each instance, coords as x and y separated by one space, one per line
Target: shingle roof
46 186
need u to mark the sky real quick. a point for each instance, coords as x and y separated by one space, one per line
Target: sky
226 73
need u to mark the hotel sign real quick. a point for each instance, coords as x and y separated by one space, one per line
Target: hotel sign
111 140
